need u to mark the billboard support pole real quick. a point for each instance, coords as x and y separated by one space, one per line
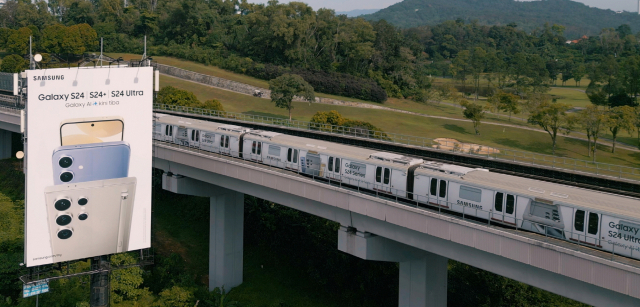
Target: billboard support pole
100 285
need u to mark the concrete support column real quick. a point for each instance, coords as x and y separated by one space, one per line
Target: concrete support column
423 282
423 275
5 144
226 239
226 228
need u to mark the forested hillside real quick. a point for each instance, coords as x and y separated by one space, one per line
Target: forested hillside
577 18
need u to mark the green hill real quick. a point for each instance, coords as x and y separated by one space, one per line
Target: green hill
578 18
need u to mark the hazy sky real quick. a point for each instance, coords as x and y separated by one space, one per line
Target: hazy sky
348 5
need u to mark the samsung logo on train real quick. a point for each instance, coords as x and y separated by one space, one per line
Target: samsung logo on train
470 205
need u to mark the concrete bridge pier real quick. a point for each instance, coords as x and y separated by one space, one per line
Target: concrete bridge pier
5 144
226 230
423 275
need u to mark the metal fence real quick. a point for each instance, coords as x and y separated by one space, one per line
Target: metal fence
546 232
490 153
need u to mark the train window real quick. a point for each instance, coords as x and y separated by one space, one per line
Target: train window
386 175
470 193
197 136
579 221
337 165
274 150
253 147
593 224
434 186
289 155
498 201
511 203
259 146
443 189
222 144
295 156
378 174
170 130
193 135
331 164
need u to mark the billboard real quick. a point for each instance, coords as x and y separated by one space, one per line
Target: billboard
88 162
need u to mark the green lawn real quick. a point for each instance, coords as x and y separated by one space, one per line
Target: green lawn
571 96
491 135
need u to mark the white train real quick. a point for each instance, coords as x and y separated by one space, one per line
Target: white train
603 221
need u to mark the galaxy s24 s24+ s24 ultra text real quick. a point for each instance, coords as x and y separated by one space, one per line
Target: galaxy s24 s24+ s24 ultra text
90 218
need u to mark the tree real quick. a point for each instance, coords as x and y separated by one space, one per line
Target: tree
212 104
72 41
18 42
52 37
170 95
175 297
592 121
551 117
598 97
286 87
578 73
620 118
475 113
126 283
14 64
505 102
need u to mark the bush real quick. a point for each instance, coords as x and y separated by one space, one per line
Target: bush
13 64
173 96
360 128
212 104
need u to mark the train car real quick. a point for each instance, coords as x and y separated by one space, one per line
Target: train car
205 135
601 220
385 172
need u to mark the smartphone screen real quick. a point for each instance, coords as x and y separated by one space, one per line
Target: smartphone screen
88 132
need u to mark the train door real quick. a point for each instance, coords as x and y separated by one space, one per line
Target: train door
182 136
438 192
168 133
383 179
504 208
224 145
195 138
586 227
292 159
333 170
256 151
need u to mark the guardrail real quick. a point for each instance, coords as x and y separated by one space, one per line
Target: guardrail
428 203
491 153
11 100
8 109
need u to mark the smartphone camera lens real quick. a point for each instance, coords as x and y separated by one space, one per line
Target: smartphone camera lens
65 162
65 234
63 220
82 201
83 216
66 176
62 204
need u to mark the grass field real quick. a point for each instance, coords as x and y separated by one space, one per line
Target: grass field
491 135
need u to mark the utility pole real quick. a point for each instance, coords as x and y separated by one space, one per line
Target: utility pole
100 288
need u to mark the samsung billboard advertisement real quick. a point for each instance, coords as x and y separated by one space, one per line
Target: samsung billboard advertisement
88 162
